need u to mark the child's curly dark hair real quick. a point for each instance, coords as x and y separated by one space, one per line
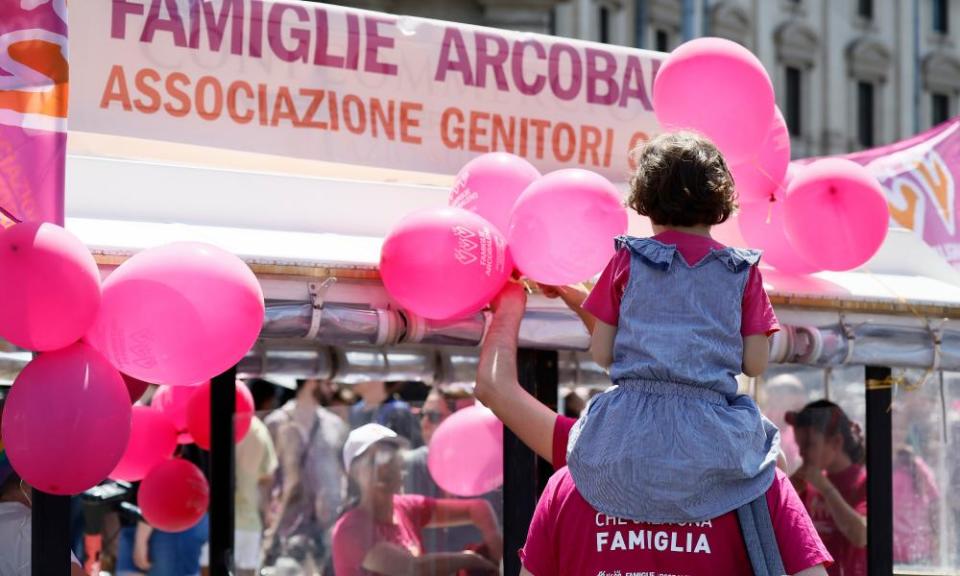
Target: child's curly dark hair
682 180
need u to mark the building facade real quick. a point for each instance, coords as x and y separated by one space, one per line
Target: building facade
849 74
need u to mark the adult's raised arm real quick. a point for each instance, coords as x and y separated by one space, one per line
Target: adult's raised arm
497 385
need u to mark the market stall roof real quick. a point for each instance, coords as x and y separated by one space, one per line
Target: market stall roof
300 218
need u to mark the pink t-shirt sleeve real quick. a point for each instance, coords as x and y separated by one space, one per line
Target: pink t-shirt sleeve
604 300
561 434
539 554
351 541
800 545
758 314
419 509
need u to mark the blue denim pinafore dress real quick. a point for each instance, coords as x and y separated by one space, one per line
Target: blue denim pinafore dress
673 441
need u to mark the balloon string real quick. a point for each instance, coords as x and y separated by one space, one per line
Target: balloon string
902 381
778 185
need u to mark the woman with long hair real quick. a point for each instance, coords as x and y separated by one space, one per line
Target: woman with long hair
832 482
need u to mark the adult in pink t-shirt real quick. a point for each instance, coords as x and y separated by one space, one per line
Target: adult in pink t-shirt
916 506
381 533
567 536
714 547
547 434
832 482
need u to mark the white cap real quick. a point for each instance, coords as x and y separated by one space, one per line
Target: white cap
363 438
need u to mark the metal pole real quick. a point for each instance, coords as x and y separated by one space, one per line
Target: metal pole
222 469
879 474
50 535
50 514
524 474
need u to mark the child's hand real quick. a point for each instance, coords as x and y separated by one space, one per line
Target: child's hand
550 291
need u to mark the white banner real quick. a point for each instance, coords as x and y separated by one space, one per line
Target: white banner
336 84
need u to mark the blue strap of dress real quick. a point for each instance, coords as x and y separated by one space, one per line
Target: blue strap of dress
760 539
658 255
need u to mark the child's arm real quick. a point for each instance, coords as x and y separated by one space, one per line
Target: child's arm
573 296
601 343
759 321
756 354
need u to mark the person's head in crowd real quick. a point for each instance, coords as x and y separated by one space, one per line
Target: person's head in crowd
827 438
374 464
326 391
341 400
343 396
264 394
311 389
372 393
438 406
573 404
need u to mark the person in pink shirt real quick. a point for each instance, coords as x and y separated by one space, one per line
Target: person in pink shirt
568 536
916 510
832 482
380 533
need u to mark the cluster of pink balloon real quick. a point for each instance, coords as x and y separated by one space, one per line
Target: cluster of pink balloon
558 228
780 202
177 314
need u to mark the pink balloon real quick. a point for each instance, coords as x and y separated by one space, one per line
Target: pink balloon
67 420
490 184
174 496
173 401
153 440
50 291
760 176
837 214
466 452
178 314
444 263
198 414
761 224
720 89
563 226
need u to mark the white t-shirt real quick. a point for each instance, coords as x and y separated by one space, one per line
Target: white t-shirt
15 533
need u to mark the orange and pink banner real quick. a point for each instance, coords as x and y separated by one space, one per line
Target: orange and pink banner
33 109
920 176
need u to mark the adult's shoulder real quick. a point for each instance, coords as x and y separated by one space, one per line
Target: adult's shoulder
275 418
560 487
353 533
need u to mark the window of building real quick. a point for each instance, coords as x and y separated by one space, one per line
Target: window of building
939 108
941 16
661 40
865 9
793 105
604 21
865 114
